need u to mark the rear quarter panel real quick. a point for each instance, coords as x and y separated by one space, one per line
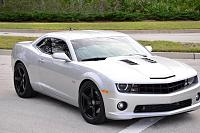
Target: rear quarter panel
28 55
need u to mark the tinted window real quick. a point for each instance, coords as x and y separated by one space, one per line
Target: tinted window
53 45
104 47
45 46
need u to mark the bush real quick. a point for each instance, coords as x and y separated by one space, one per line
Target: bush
95 10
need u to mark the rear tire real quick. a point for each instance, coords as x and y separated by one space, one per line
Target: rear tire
91 103
21 82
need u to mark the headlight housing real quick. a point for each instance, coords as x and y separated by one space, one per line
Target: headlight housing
127 88
191 81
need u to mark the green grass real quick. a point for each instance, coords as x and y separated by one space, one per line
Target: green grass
7 42
168 46
144 25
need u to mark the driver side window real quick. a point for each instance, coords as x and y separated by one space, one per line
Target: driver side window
45 46
53 45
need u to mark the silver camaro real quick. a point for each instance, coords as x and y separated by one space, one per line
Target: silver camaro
106 74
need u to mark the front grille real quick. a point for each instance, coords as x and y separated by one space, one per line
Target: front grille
160 88
162 107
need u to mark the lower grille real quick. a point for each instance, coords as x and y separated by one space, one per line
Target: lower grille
162 107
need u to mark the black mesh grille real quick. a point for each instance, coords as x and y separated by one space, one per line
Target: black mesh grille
162 107
160 88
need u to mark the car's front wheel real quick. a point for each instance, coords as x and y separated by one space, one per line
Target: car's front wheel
91 103
21 82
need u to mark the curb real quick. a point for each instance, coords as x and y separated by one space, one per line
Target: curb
172 55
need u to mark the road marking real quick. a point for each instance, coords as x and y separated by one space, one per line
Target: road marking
141 125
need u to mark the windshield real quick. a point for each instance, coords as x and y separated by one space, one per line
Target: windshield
103 47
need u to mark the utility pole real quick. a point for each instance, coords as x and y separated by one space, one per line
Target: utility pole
2 2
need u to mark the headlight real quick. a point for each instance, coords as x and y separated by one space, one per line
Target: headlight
191 81
121 87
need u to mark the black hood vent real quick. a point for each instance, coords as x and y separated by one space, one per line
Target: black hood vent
129 62
149 60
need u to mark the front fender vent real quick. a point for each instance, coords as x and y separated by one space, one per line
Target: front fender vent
129 62
149 60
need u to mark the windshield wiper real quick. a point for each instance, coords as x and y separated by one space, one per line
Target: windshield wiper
94 59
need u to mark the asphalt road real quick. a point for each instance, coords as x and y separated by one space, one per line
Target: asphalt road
192 36
43 114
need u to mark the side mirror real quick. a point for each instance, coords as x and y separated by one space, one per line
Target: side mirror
149 48
61 56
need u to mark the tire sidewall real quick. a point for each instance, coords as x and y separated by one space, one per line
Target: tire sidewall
28 89
101 117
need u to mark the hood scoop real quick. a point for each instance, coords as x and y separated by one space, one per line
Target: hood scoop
149 60
129 62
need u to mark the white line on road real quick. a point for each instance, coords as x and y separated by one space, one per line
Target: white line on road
141 125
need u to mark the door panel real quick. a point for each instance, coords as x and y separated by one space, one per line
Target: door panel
56 76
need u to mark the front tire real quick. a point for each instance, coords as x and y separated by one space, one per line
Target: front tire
21 82
91 103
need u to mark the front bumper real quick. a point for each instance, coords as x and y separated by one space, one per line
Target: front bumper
150 99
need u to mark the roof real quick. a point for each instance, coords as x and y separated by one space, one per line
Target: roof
81 34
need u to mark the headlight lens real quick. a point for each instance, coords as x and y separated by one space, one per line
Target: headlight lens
121 87
191 81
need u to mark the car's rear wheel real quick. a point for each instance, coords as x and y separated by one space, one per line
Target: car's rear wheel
21 82
91 103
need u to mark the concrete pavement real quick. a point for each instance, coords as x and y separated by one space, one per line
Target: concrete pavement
192 36
43 114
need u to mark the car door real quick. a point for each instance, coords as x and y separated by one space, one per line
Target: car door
56 75
44 64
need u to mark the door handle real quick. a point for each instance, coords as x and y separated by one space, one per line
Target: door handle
41 60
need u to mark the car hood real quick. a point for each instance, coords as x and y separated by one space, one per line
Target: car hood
140 69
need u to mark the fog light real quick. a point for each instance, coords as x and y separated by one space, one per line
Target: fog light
197 96
122 105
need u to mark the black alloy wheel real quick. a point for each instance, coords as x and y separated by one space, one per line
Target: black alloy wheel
91 103
21 82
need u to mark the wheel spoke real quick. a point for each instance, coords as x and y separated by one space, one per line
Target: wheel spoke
97 102
17 78
21 84
20 72
86 108
98 110
92 93
93 111
86 97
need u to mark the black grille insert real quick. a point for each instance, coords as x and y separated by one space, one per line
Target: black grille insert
160 88
162 107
